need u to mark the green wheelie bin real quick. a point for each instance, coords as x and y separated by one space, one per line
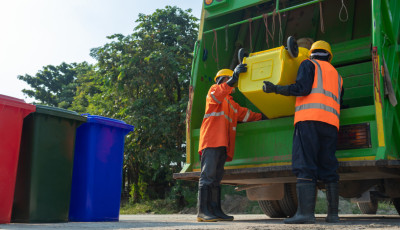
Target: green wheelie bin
44 176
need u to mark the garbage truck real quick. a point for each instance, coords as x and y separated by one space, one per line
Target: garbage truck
365 40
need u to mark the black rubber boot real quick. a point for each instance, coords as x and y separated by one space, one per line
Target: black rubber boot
306 205
332 195
204 206
216 205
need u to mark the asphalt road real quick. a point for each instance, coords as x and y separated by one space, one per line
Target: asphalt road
241 222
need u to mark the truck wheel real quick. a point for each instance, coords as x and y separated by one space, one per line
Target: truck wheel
281 208
368 207
271 208
289 202
396 203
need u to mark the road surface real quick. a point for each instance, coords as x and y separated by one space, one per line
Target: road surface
241 222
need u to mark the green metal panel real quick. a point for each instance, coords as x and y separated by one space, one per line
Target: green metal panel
386 15
211 5
333 24
229 6
351 51
362 15
358 83
266 142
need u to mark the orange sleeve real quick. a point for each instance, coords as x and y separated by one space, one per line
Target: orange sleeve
246 115
217 93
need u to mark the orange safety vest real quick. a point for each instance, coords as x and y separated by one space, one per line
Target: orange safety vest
323 102
220 119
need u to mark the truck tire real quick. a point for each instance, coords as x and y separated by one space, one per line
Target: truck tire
286 207
271 208
396 203
289 202
368 207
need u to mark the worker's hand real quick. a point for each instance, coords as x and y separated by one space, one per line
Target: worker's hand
269 87
241 68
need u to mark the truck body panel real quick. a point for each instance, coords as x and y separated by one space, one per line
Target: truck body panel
365 46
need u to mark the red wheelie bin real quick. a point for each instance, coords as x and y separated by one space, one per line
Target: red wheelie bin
12 113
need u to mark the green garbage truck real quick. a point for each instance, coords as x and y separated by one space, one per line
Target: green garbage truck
365 40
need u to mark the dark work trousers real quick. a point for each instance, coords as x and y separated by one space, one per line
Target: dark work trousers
313 155
212 166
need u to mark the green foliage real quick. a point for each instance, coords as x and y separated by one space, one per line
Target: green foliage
251 207
88 88
386 208
145 78
321 206
184 194
153 207
141 189
142 79
53 85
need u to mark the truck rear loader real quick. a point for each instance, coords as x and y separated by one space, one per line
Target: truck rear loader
365 40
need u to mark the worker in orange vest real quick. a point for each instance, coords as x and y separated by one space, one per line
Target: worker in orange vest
319 93
217 141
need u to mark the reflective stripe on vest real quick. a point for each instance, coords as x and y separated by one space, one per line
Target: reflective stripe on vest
214 97
217 114
233 108
247 116
320 89
317 106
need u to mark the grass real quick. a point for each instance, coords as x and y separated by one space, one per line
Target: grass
386 208
169 206
321 206
347 207
150 207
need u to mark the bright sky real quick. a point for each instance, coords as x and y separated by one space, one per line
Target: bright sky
36 33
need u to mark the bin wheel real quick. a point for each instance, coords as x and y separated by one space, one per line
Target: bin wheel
292 47
368 207
241 54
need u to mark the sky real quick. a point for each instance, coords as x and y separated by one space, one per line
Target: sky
37 33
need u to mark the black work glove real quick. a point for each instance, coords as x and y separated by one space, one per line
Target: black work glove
270 87
241 68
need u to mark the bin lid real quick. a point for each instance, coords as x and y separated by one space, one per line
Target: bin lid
59 112
108 121
15 102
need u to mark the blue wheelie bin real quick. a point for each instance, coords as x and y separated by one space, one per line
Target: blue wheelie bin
97 171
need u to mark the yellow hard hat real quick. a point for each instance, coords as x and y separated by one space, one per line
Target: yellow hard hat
223 72
323 45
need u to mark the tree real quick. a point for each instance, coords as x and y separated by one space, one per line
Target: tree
142 79
146 77
88 86
54 85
